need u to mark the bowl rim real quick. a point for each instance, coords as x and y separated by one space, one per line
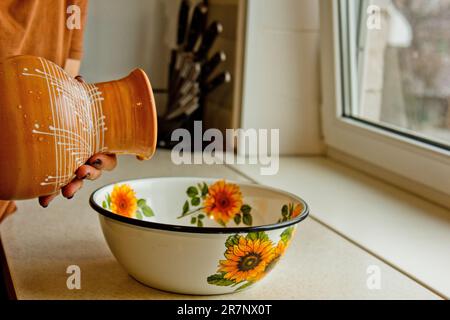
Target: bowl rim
197 230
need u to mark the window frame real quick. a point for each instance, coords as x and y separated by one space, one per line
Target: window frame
402 155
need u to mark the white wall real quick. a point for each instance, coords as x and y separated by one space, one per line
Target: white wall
122 35
281 73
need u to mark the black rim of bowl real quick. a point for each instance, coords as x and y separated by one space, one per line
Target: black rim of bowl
200 230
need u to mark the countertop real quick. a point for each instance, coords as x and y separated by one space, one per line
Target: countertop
39 244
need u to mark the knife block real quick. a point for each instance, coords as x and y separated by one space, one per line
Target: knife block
221 108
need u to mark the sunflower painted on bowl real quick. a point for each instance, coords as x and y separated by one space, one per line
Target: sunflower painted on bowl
229 235
249 258
221 202
123 201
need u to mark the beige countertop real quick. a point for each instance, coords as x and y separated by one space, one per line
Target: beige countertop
39 244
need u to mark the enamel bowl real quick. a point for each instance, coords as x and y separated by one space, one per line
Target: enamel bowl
197 236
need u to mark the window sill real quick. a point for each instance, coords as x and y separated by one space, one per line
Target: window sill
407 232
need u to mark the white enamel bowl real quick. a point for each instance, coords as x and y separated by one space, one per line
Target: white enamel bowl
243 232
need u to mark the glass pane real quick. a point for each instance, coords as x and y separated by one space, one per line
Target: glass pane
399 55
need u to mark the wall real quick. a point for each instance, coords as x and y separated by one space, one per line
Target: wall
122 35
281 73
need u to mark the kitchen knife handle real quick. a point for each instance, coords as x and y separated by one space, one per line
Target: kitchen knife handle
183 20
208 39
209 66
173 58
222 78
197 26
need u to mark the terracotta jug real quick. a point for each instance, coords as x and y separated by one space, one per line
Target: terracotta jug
51 124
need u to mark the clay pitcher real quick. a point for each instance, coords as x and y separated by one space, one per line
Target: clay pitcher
51 124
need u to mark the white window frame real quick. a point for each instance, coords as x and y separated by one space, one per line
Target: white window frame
419 162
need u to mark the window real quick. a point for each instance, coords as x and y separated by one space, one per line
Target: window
386 85
400 53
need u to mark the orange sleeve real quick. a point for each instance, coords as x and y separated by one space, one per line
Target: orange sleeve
76 45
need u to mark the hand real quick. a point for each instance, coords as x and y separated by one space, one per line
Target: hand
6 208
90 171
72 67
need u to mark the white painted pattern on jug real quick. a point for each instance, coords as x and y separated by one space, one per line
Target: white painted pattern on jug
78 123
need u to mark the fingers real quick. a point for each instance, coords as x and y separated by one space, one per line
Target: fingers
102 161
80 79
87 172
44 201
11 208
70 190
3 209
98 162
90 171
3 206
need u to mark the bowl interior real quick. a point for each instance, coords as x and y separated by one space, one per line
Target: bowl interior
199 202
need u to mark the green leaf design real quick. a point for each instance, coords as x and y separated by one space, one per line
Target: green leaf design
237 219
257 235
193 220
186 207
223 224
205 190
104 205
246 209
232 241
139 215
285 211
195 201
199 223
108 199
247 219
287 234
142 203
246 285
192 192
218 280
252 236
201 216
147 211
